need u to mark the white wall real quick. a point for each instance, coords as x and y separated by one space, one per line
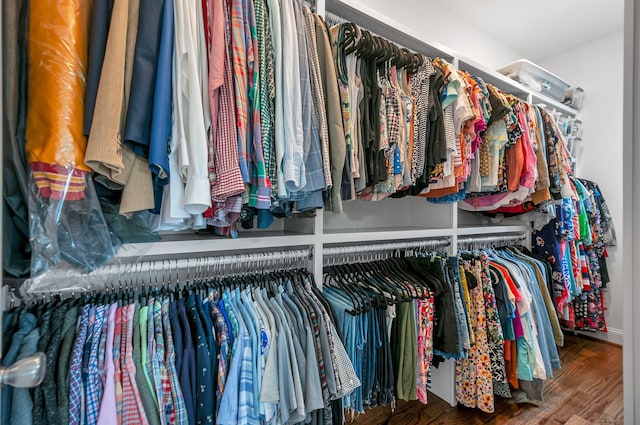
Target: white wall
597 67
428 21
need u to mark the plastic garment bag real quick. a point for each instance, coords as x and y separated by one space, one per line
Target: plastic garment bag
66 223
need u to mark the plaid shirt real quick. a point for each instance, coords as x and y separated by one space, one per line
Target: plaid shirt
76 389
170 361
108 415
117 343
226 173
318 93
154 372
102 345
393 110
153 368
260 190
160 375
132 409
238 409
235 327
94 385
311 166
245 396
267 90
85 362
222 333
239 46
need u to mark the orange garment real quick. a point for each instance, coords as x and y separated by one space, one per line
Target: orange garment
437 193
475 96
507 277
511 348
460 171
57 55
514 155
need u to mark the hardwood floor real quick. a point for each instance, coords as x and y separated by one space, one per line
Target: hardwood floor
587 390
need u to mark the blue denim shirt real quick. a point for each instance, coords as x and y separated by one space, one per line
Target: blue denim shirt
545 333
161 112
26 324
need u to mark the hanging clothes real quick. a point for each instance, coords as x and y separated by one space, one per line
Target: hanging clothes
274 114
490 311
17 251
393 315
574 243
513 326
257 349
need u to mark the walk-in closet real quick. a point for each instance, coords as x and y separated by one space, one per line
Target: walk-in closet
319 212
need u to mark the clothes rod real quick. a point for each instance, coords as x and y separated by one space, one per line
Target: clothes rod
333 19
168 270
357 249
491 239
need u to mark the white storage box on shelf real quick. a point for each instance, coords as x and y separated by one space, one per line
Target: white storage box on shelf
536 78
574 97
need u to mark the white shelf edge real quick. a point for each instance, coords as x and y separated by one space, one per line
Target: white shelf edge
217 244
488 229
554 104
490 76
372 236
386 27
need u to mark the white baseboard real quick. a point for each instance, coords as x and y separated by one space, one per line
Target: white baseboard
614 336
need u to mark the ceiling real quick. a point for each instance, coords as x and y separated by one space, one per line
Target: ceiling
541 28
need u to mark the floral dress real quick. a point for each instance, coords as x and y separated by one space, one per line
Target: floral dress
474 381
494 334
425 345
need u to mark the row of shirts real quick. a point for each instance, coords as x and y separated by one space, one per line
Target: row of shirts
513 328
193 112
575 241
242 357
438 132
409 314
223 110
491 311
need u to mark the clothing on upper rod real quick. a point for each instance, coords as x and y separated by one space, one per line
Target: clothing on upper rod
273 114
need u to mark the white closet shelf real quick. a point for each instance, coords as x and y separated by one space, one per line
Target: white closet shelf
511 86
334 236
552 104
490 229
185 244
492 77
369 18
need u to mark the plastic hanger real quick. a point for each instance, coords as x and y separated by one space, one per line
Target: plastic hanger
333 278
